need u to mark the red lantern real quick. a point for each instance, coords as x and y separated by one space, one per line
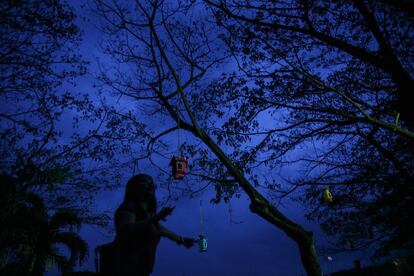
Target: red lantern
179 166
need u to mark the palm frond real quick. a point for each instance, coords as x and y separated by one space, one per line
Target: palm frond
60 261
77 246
65 217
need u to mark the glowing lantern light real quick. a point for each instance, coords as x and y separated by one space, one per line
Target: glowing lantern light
327 196
202 243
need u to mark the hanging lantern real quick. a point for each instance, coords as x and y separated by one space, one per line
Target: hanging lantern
179 166
327 196
202 243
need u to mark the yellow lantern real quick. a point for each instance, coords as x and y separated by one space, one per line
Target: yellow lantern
327 196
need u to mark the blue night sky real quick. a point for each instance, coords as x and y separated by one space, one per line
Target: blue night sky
253 247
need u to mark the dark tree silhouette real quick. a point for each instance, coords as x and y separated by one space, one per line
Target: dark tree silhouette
29 235
372 40
52 161
335 79
165 53
41 143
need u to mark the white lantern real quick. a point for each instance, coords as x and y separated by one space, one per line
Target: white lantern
202 243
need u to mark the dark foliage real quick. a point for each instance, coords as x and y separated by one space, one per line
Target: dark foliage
164 52
43 147
333 78
29 235
42 143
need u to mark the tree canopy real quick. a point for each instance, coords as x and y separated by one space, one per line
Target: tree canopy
49 132
335 79
320 86
282 100
42 147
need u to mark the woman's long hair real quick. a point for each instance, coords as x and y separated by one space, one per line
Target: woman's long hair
138 189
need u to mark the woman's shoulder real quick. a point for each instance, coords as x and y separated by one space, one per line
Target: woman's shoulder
125 210
127 207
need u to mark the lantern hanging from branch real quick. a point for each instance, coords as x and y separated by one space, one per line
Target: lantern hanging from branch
327 196
202 243
179 166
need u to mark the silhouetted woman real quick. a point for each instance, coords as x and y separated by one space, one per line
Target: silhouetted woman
138 228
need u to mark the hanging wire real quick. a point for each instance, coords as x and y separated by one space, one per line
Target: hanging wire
178 143
231 213
232 221
201 217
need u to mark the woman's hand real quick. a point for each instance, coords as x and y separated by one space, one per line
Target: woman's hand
165 212
187 242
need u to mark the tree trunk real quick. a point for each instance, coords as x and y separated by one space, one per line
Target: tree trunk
391 65
261 206
304 239
308 255
404 102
